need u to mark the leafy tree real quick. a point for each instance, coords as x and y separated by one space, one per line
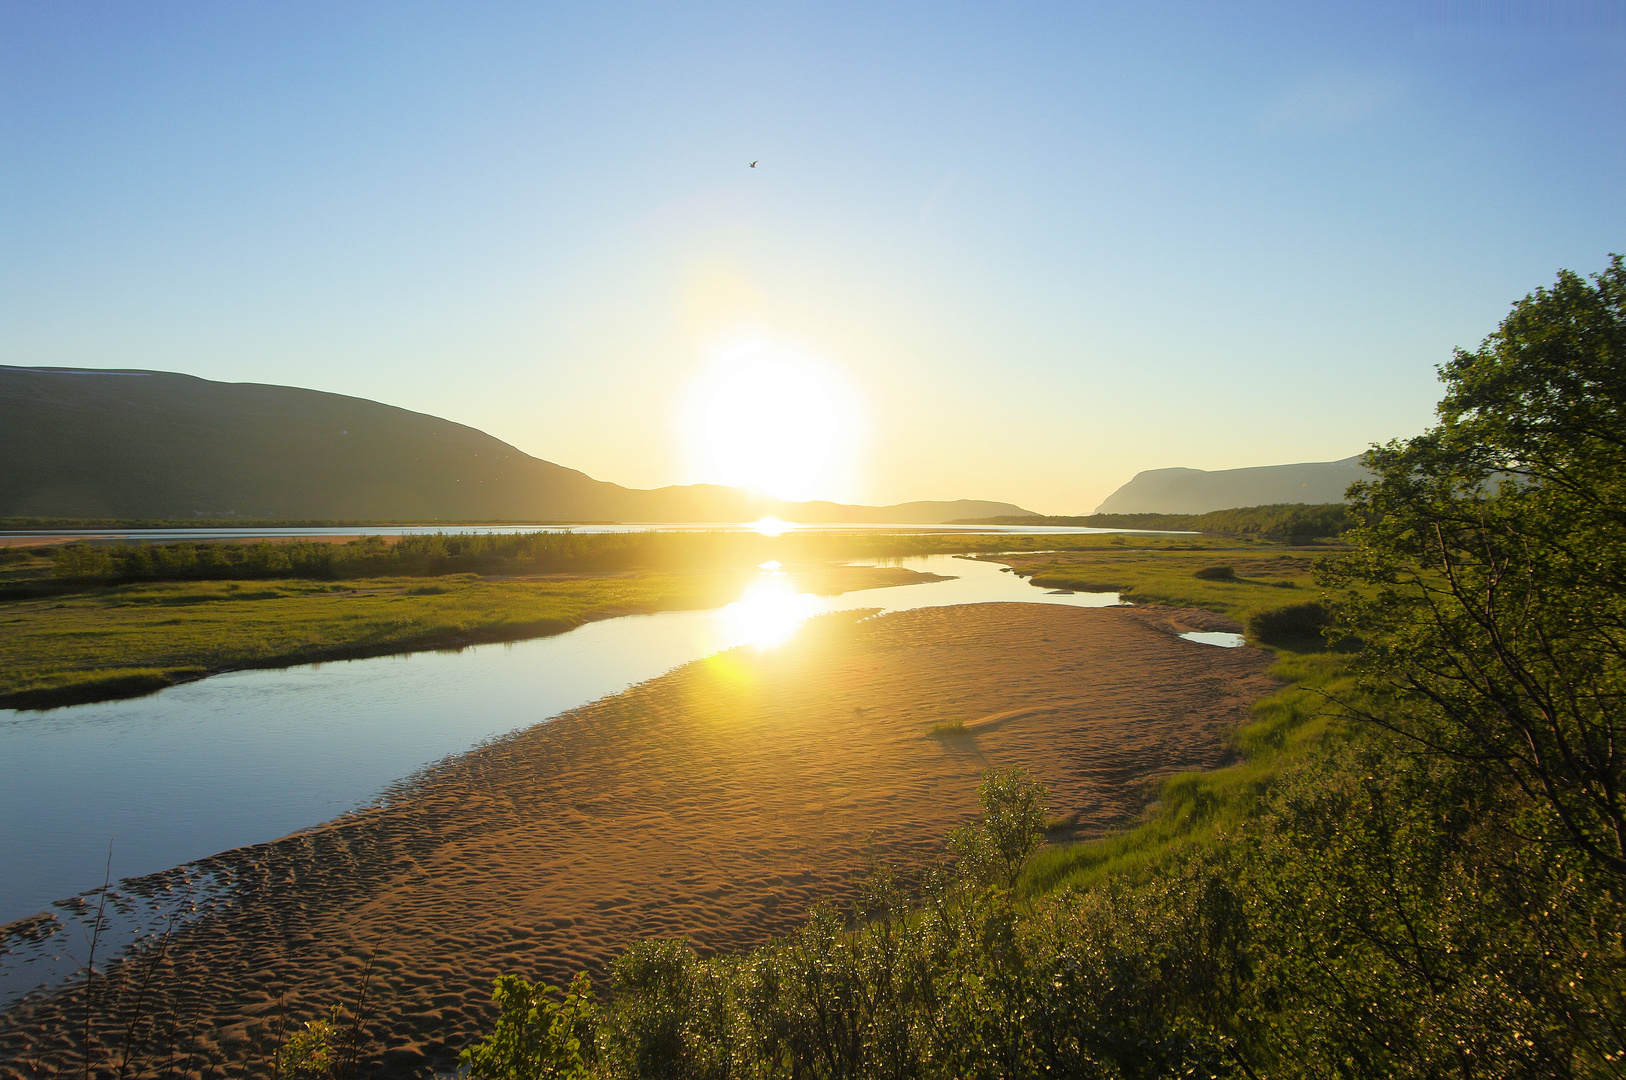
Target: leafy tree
1490 579
1463 887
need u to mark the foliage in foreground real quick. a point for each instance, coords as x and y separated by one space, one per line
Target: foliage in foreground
1343 932
1439 892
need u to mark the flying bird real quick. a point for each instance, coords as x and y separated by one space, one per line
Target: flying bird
754 163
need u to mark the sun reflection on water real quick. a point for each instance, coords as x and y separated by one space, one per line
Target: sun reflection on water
769 612
771 526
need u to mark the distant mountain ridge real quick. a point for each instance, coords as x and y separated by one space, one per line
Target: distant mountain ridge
1196 491
82 443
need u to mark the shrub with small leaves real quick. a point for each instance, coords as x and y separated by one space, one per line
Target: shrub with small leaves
536 1037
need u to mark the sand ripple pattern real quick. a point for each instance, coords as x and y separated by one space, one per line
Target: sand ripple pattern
717 802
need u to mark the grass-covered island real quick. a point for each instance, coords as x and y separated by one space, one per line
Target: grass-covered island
1414 866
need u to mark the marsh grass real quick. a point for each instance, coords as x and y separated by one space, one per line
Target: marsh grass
515 554
1166 574
1192 808
55 688
125 640
75 627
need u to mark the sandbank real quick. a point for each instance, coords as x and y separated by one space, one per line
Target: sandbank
716 802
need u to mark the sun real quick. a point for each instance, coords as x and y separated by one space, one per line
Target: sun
773 418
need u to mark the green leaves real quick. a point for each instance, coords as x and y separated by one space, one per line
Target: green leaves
1011 829
536 1037
1490 574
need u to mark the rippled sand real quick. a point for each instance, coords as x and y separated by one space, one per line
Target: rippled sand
716 802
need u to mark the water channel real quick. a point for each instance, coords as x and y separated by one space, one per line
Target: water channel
248 756
135 787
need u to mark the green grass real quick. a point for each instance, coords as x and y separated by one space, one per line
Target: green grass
79 565
96 643
1193 808
1267 577
125 640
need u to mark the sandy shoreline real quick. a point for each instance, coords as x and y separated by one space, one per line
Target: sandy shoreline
716 802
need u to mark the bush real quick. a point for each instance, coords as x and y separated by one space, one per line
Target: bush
1012 827
536 1037
1290 625
1217 573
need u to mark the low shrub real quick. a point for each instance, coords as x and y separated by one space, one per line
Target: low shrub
1293 624
1217 573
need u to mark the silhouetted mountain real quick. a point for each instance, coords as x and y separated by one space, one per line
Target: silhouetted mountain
1194 491
157 445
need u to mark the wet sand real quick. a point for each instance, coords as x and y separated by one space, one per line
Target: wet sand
716 802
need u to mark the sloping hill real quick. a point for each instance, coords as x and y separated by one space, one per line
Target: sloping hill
158 445
1195 491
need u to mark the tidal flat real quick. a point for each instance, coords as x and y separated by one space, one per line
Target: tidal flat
717 802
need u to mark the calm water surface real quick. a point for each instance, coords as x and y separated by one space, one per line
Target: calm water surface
250 756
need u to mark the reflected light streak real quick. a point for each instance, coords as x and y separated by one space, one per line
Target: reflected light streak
771 526
769 612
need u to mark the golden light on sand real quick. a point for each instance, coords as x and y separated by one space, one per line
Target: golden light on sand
774 418
769 612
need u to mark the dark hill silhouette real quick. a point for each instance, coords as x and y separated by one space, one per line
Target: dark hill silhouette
1195 491
157 445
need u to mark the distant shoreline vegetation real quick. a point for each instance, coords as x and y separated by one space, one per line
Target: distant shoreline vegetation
505 554
1293 522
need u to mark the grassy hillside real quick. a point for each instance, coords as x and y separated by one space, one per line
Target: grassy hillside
157 445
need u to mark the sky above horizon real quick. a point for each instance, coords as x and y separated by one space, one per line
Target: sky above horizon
1015 252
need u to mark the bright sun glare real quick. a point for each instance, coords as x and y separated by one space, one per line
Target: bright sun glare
769 612
773 418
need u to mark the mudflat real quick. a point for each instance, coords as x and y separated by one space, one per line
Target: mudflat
718 802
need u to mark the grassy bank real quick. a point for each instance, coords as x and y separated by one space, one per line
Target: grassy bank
1194 808
123 640
1243 584
97 643
86 624
1288 522
1259 577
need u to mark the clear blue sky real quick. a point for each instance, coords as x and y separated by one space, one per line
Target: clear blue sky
1042 246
